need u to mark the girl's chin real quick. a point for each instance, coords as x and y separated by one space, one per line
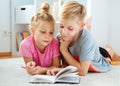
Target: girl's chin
46 44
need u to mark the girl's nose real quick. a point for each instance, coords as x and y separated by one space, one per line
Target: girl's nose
47 35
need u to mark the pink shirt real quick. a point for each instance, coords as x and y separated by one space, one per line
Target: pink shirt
29 49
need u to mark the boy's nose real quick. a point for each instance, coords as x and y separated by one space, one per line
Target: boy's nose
63 32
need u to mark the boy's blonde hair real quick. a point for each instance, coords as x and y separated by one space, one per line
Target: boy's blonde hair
42 15
72 10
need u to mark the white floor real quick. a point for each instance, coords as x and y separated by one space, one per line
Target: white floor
11 74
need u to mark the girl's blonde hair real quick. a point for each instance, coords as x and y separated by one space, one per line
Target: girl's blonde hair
72 10
42 15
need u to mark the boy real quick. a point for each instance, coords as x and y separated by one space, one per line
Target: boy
77 45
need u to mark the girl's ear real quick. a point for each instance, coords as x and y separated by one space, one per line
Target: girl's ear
82 25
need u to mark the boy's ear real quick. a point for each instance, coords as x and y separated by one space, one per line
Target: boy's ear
82 25
32 30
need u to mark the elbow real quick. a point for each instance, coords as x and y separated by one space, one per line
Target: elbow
83 74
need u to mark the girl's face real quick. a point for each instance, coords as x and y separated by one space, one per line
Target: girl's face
69 30
44 33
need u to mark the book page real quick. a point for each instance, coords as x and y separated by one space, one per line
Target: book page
43 78
68 75
66 70
69 79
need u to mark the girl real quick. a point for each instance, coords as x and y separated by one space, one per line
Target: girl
41 50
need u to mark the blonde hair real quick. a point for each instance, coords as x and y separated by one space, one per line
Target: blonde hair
42 15
72 10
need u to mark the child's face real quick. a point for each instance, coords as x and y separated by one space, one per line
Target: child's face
44 33
69 29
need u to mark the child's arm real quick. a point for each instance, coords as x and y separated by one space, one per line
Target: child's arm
55 63
63 62
43 70
82 66
30 65
26 60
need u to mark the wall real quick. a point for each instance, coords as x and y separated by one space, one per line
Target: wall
5 26
100 14
114 24
105 22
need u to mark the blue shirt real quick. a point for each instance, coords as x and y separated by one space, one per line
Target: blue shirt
87 49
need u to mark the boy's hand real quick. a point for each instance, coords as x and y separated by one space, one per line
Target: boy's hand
64 44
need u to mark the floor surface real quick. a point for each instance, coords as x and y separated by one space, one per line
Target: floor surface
12 74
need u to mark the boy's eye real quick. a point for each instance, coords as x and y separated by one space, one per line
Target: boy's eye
61 26
70 28
51 32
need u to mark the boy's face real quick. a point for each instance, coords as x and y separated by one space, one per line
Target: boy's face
69 29
44 33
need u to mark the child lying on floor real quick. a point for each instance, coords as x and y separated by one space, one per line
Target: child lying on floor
77 45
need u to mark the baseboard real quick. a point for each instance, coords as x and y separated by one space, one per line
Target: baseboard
4 54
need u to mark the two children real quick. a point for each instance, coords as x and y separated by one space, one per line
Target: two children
77 45
41 50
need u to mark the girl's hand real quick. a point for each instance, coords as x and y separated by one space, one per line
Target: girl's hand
53 71
30 65
39 70
35 70
31 71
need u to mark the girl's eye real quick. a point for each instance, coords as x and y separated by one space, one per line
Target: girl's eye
42 31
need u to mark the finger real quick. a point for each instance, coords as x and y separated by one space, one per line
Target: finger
48 72
52 72
61 40
35 68
31 72
33 63
28 65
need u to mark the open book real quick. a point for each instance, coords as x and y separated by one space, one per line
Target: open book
67 75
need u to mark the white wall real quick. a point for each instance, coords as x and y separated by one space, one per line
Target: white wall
5 26
100 14
114 24
105 22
